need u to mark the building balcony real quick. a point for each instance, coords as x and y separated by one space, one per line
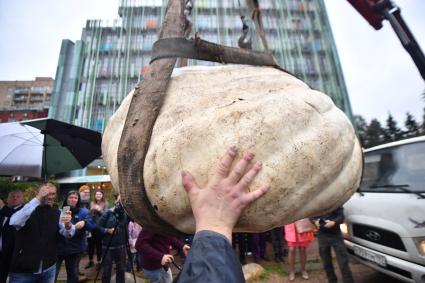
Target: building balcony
21 90
19 98
38 90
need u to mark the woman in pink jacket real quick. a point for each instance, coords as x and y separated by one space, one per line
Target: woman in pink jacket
300 241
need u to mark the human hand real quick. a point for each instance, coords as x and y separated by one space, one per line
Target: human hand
329 223
186 249
1 203
110 231
317 223
42 193
167 260
80 224
65 218
217 207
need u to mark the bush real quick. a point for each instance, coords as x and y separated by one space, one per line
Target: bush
29 188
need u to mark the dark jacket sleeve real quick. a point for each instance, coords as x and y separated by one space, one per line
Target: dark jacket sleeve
176 243
211 259
103 222
86 216
338 216
144 247
6 211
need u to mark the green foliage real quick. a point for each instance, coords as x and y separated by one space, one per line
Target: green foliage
423 123
374 134
29 188
392 132
361 128
412 128
270 268
7 186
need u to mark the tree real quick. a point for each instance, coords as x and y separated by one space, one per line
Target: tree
423 123
392 132
412 128
374 134
361 128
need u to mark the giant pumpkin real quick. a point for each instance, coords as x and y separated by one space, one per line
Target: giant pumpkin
311 156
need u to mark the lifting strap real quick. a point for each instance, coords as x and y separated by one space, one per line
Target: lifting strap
256 17
245 41
203 50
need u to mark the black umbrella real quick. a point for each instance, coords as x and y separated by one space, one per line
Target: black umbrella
52 145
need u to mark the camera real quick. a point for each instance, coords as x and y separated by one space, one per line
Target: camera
119 211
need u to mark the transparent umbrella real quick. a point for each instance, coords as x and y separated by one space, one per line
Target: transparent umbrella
39 148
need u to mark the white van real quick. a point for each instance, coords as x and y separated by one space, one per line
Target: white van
385 219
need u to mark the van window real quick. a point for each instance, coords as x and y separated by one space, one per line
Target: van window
388 168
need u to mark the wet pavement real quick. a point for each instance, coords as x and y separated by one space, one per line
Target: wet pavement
275 272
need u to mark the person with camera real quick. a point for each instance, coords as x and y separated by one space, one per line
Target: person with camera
70 250
329 236
38 225
113 225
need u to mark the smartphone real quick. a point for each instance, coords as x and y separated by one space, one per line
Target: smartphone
66 209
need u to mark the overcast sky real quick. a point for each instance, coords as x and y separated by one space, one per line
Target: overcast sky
379 74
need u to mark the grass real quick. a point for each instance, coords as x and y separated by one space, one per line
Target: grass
281 269
270 268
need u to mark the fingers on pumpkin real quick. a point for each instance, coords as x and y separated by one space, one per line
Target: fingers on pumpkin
247 179
241 167
225 163
254 195
189 182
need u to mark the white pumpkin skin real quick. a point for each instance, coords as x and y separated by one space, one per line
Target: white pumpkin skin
311 157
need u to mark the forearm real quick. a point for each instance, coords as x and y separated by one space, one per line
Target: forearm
211 256
223 230
339 216
19 218
314 219
66 232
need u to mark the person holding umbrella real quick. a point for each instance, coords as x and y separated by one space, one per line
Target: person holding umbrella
38 225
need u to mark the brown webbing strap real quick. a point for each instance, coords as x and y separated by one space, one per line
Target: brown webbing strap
141 116
208 51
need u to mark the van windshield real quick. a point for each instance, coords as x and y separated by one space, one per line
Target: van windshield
388 169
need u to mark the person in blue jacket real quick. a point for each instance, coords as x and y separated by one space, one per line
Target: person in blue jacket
216 209
70 250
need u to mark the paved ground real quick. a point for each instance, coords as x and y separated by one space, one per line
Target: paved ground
275 272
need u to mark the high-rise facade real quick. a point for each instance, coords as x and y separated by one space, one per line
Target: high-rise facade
24 100
97 72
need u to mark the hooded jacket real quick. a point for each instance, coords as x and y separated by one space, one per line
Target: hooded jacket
114 218
76 244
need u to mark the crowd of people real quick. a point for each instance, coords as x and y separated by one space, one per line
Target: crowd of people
36 238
